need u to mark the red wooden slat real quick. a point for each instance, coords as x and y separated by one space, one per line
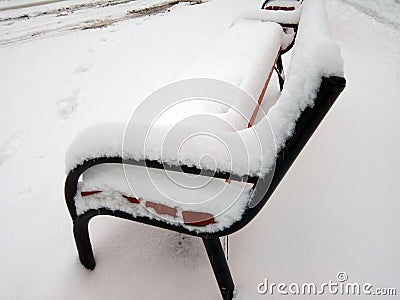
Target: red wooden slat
197 218
131 199
88 193
162 209
260 99
286 8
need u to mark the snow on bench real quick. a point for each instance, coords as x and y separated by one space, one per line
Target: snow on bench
279 11
263 133
245 57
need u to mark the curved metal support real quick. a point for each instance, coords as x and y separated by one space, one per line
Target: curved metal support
71 182
220 267
280 72
288 48
264 5
82 240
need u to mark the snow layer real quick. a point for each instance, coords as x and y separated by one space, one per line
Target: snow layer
203 140
242 59
315 55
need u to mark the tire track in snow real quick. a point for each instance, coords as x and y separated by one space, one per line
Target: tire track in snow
384 11
63 10
121 13
27 5
24 193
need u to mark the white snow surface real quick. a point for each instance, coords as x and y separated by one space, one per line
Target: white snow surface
336 210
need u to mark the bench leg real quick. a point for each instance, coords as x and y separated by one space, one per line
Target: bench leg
82 240
280 72
220 267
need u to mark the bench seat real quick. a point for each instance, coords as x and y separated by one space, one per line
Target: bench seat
214 207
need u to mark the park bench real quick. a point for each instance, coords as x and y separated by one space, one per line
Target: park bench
266 131
285 5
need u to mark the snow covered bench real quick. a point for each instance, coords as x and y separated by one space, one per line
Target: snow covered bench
110 173
281 5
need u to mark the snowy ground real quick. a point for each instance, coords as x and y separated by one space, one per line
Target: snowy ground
336 210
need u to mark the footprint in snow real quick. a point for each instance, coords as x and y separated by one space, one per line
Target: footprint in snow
68 105
81 69
9 147
24 193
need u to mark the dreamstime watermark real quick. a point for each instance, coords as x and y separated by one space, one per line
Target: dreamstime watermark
340 286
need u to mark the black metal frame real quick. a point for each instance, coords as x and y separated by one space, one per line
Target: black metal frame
288 25
280 72
307 123
264 5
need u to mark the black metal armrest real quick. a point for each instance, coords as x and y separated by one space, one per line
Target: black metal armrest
71 182
265 4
